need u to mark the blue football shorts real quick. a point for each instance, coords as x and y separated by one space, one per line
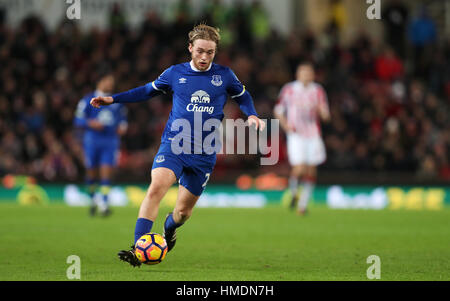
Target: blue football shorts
192 170
97 154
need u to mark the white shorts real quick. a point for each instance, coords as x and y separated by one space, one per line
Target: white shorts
305 150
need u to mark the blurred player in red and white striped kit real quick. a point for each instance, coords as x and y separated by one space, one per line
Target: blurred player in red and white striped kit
300 107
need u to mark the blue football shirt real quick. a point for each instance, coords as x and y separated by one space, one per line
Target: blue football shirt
110 116
199 96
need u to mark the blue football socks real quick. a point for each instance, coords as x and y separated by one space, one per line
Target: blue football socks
170 224
91 187
105 188
143 226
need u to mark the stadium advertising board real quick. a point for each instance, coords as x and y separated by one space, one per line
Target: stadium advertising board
335 197
414 198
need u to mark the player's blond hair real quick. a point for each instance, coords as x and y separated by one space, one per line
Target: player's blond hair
204 32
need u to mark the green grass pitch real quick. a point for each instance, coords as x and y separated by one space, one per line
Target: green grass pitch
229 244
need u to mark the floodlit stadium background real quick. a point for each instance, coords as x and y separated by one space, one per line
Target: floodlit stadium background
388 85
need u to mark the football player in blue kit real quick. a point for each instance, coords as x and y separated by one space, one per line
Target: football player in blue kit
200 89
102 129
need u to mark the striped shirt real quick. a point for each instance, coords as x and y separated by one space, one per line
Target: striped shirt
301 105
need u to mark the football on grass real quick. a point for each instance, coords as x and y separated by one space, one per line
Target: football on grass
151 248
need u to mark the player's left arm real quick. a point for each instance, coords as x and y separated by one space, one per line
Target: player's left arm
324 110
245 101
123 123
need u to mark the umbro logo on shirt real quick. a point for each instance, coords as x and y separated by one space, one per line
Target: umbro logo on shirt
182 80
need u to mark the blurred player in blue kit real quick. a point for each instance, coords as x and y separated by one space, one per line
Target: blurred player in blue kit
102 129
200 89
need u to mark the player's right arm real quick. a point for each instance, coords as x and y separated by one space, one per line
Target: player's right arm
82 119
280 109
160 85
134 95
283 121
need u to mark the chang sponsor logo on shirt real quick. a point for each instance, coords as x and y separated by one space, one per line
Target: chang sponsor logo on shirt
106 117
198 100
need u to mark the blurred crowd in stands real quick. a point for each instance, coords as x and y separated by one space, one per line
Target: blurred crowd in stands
389 102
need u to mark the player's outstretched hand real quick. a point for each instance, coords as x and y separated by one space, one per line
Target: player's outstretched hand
259 124
98 101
